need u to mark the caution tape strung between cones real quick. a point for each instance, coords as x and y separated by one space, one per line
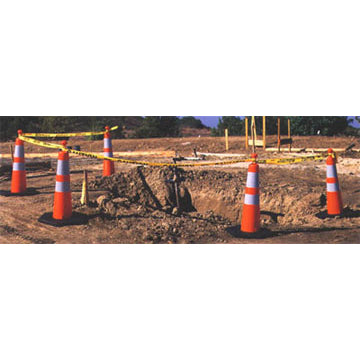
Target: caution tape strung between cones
278 161
51 135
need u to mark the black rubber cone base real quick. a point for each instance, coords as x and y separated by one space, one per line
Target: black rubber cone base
236 232
261 234
76 219
324 215
28 192
346 213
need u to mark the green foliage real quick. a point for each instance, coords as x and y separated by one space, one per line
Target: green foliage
234 124
158 126
300 125
59 124
310 125
190 122
351 131
163 126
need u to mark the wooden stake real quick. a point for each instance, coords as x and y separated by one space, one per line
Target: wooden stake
246 133
279 139
85 194
253 134
264 132
227 139
11 153
254 125
289 134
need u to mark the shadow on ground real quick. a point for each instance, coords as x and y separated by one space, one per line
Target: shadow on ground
28 192
348 213
265 233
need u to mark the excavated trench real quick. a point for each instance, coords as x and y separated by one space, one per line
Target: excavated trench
284 199
288 196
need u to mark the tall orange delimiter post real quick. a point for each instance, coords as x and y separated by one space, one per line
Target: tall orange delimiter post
250 219
108 168
18 177
62 197
334 199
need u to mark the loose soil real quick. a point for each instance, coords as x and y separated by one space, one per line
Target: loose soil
138 204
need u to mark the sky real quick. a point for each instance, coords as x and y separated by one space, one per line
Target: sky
212 121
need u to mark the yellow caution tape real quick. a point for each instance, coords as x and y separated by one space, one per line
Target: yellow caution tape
279 161
68 134
284 161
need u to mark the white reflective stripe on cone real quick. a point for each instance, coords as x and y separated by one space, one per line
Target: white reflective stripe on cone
107 143
108 154
63 167
62 186
251 199
332 187
331 171
18 166
252 180
19 151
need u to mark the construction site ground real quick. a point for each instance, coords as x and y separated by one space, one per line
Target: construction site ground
137 205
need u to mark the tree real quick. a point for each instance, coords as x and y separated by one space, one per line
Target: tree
58 124
300 125
310 125
158 126
191 122
234 124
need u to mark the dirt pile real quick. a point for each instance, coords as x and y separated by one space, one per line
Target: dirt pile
142 201
143 204
149 188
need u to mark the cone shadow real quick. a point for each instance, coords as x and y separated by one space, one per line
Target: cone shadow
28 192
347 213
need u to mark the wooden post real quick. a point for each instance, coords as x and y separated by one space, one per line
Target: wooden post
264 132
279 138
254 124
246 133
227 139
85 194
11 153
253 133
289 134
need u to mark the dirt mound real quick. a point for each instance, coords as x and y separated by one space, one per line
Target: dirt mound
143 201
289 199
151 188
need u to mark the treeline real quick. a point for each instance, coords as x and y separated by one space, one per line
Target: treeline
170 126
300 125
132 126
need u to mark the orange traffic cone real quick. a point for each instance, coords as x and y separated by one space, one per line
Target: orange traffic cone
250 219
334 199
62 198
18 178
108 168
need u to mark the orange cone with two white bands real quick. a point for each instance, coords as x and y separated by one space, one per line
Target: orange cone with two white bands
62 197
108 168
250 219
334 199
18 178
